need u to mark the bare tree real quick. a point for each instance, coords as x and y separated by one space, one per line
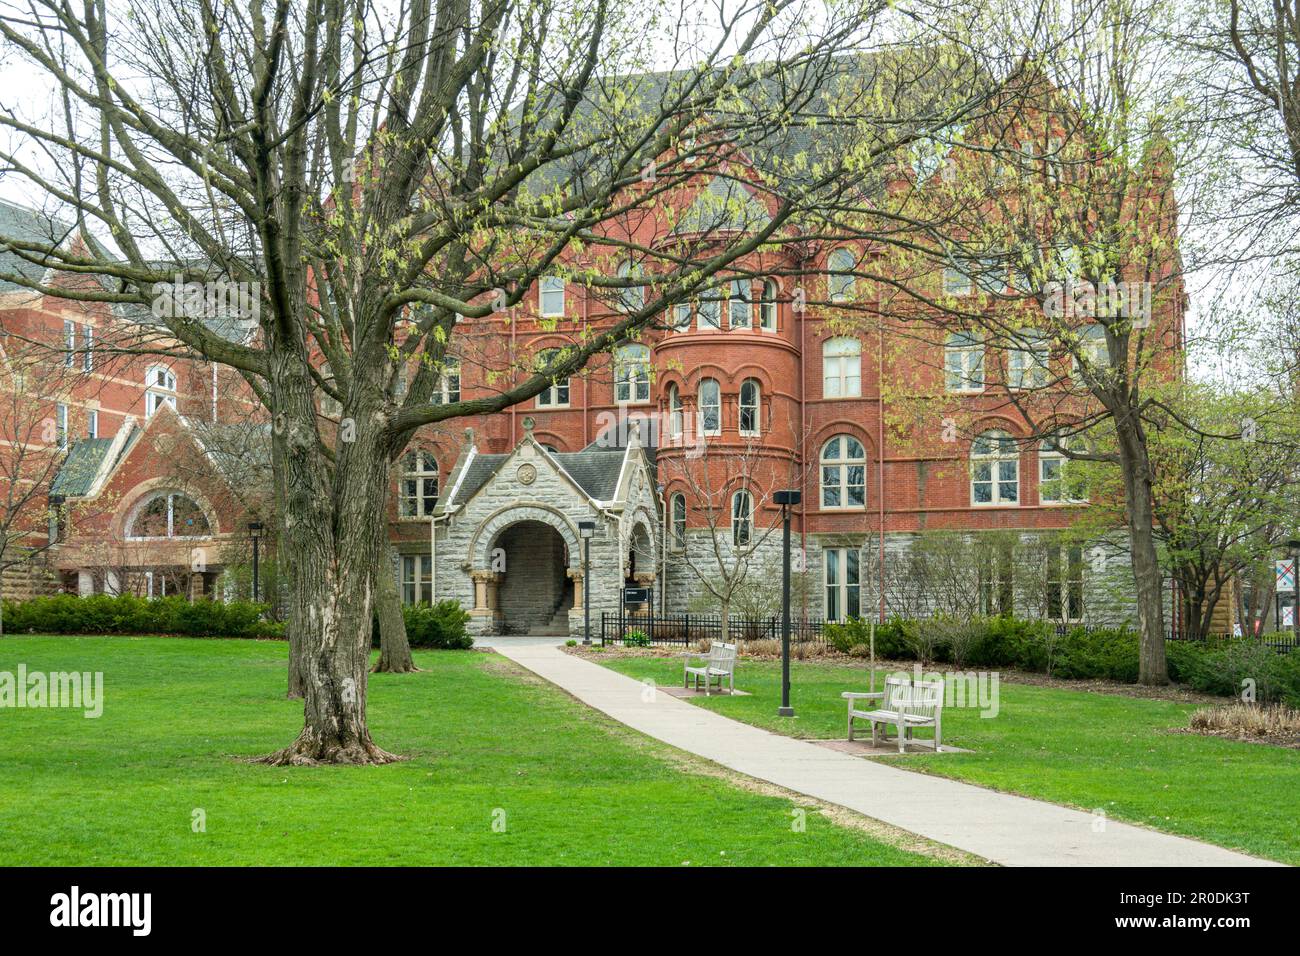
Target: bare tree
733 527
372 177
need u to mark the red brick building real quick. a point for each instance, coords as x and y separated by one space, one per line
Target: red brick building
769 381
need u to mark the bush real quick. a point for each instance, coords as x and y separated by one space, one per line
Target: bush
636 638
443 625
128 614
854 637
1109 653
1230 668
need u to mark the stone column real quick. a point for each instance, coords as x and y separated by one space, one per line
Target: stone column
579 593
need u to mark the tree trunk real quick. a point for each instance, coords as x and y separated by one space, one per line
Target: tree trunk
394 649
293 633
330 516
292 629
1152 667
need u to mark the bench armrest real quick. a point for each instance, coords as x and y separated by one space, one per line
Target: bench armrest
870 695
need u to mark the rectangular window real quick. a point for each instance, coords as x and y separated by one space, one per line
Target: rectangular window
88 349
740 312
447 389
682 317
963 364
996 584
552 296
61 425
69 342
955 281
1027 362
92 424
843 593
711 311
1065 584
417 579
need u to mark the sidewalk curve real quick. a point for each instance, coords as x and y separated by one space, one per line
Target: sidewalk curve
1010 830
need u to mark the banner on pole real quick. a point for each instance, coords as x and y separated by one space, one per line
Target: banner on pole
1285 572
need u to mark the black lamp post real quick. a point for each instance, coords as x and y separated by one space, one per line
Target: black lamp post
786 499
586 529
255 532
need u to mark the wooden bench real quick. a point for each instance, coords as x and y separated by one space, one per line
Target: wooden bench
720 662
905 704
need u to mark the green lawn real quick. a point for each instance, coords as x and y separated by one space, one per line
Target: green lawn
1084 749
482 739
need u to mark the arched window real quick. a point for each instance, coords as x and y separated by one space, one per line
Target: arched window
844 473
160 389
767 306
963 362
750 407
558 392
417 485
630 298
742 518
168 514
710 410
447 388
674 412
1055 484
678 508
740 309
995 470
842 368
632 374
840 281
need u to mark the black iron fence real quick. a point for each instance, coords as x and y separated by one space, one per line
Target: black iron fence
686 629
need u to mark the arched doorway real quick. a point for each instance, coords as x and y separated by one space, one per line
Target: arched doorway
534 594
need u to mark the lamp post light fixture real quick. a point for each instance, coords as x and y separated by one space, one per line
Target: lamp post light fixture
586 529
255 532
786 498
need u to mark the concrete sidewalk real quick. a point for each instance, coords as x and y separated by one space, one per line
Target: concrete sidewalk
1014 831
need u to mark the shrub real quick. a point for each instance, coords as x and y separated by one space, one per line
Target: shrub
443 625
636 638
924 638
846 637
128 614
1109 653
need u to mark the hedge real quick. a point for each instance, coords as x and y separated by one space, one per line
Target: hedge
128 614
443 625
1111 653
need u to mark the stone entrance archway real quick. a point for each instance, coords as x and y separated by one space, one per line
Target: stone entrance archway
534 593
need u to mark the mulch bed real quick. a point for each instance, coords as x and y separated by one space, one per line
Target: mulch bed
1287 741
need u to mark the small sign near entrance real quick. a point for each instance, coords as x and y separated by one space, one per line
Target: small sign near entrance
636 595
1285 571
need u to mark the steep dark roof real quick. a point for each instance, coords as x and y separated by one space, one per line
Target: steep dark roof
77 473
596 470
26 225
480 470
